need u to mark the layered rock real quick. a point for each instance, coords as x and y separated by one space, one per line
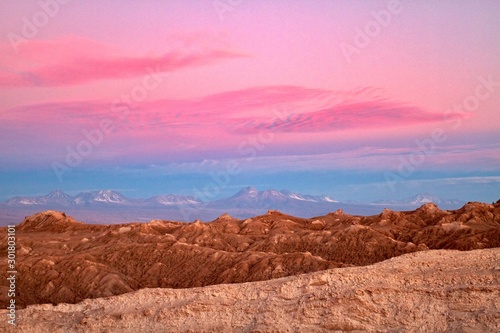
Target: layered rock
430 291
61 260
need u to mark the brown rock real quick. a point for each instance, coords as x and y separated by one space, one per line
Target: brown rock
61 260
431 291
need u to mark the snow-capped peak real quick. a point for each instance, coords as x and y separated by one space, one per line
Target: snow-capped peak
295 196
57 194
171 199
102 196
425 198
109 196
328 199
252 191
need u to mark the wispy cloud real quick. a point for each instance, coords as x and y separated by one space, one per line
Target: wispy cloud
273 108
370 114
214 123
75 60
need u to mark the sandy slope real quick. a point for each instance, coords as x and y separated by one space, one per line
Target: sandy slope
428 291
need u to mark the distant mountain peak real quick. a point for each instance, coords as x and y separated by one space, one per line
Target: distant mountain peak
329 199
424 198
100 196
250 198
57 193
172 199
421 199
109 196
248 191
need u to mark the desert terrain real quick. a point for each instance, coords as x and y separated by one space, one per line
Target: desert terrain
272 272
430 291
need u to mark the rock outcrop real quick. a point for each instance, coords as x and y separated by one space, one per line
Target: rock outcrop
60 260
429 291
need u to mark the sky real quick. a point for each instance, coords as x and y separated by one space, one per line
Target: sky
358 100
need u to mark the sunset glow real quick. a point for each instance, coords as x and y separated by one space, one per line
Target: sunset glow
361 101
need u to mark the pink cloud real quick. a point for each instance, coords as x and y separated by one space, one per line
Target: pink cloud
215 123
370 114
74 60
297 109
276 108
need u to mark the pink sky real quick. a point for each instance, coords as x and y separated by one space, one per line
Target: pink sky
205 81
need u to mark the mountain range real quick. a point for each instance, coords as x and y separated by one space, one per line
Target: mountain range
421 199
99 198
110 205
248 197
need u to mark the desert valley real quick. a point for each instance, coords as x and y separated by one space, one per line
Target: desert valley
274 272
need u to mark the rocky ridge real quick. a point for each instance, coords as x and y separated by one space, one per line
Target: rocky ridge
429 291
60 260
